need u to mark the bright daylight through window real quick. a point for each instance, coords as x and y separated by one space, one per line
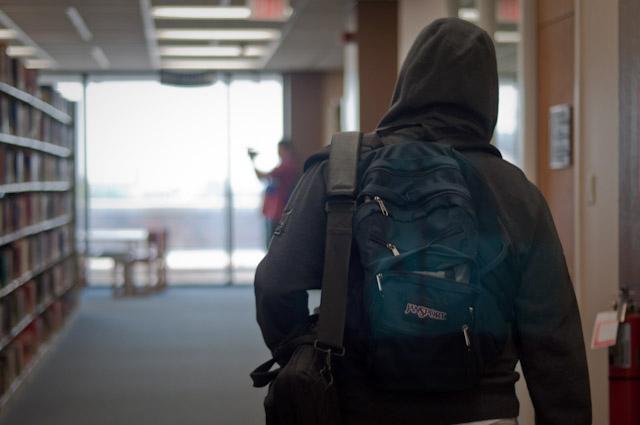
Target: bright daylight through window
158 156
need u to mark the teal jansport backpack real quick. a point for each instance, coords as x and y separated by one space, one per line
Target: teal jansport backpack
429 239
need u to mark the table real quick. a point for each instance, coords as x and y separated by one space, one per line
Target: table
130 236
125 246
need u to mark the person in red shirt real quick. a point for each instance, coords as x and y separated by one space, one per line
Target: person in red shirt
280 183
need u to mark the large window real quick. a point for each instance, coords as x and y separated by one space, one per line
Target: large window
173 157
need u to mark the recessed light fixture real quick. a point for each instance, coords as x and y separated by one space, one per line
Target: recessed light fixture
6 34
79 24
209 64
200 51
38 63
218 34
204 12
100 57
254 51
21 51
507 37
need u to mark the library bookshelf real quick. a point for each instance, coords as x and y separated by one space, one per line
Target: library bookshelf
38 260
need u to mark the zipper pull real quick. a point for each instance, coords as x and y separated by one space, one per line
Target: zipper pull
467 339
383 208
394 250
379 280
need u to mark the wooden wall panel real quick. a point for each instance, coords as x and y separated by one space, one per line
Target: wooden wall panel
307 126
553 10
629 37
555 86
314 110
377 58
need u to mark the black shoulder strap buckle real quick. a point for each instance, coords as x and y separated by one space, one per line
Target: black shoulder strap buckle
340 204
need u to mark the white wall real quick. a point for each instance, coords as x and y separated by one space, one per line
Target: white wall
597 203
528 134
350 108
527 81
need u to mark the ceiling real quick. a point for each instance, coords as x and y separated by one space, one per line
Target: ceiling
310 38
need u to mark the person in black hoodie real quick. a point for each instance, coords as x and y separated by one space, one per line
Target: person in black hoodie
447 91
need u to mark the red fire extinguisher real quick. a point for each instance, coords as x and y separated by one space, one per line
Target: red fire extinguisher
624 367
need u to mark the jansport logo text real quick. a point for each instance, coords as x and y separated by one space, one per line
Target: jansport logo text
424 312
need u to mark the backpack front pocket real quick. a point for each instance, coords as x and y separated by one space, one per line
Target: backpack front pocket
422 332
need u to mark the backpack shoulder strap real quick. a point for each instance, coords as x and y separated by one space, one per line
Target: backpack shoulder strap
340 206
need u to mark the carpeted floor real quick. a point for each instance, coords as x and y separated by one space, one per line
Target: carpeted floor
177 358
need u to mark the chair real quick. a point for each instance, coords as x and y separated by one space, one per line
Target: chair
154 257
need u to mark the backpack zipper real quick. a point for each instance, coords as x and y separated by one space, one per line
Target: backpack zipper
382 206
379 281
391 247
467 339
394 250
400 201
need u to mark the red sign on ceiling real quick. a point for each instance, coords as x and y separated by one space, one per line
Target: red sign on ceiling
269 9
509 11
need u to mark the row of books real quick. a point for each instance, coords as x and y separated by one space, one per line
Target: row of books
55 99
33 253
14 73
23 302
24 165
20 119
18 355
20 210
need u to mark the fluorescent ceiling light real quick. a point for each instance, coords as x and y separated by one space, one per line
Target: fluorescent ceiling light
469 13
6 34
219 34
79 24
38 63
254 51
21 51
100 57
200 51
507 37
209 64
204 12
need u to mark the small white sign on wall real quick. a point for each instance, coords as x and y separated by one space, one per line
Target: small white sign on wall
605 330
560 135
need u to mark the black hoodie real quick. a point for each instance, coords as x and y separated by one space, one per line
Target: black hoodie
447 91
448 84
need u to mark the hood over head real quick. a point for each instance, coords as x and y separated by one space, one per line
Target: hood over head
447 87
